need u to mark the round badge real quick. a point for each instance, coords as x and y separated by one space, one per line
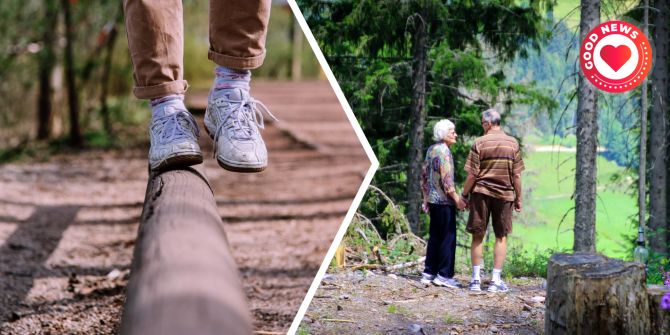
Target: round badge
615 56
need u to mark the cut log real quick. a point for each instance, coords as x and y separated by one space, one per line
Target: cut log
183 278
592 294
659 318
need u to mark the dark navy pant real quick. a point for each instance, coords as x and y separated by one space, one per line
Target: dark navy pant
441 253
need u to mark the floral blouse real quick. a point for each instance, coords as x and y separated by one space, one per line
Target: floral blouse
438 175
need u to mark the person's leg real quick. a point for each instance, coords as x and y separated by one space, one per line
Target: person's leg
434 240
501 215
477 222
499 253
476 251
448 247
237 31
155 41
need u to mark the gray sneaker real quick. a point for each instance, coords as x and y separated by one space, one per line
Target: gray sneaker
498 287
233 122
427 278
174 140
446 282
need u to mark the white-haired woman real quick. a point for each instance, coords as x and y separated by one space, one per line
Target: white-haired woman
440 201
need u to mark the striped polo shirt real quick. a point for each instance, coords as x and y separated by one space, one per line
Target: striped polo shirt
494 158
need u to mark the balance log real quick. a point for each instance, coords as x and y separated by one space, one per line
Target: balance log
660 318
183 278
590 294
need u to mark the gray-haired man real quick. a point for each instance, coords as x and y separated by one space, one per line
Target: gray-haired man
494 168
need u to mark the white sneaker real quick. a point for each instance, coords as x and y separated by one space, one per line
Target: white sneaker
446 282
427 278
232 121
174 140
498 287
475 285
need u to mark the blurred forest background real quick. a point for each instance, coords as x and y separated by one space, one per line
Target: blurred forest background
422 61
66 74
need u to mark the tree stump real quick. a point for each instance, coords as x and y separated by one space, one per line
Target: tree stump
659 318
183 278
592 294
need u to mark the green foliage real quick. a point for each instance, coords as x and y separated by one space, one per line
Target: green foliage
303 330
657 266
362 237
549 178
467 43
450 319
524 263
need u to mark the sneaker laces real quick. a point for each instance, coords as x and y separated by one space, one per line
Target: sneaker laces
175 126
240 116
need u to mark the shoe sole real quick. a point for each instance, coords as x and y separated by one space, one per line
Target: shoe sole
233 167
475 289
496 291
179 161
444 285
425 281
243 169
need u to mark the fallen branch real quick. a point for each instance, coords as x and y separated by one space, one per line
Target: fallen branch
339 320
375 251
365 267
405 265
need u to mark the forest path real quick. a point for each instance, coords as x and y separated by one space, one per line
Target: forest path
376 303
68 224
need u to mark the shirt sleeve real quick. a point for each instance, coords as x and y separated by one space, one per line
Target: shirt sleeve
472 163
518 166
447 173
424 180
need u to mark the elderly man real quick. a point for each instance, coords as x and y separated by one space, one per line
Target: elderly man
440 201
493 186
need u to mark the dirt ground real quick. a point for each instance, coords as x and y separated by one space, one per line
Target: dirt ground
68 223
378 303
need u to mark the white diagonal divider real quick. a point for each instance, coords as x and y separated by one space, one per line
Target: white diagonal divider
366 181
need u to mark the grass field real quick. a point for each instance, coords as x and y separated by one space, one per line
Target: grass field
549 183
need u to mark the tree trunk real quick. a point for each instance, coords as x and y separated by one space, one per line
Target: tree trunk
658 217
296 53
659 318
587 141
183 278
418 122
46 66
106 71
75 131
592 294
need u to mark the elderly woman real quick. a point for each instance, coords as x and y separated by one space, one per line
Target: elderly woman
441 200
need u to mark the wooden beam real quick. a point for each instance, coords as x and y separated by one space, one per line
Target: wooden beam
183 278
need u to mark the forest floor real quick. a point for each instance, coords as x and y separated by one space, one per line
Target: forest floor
377 303
68 223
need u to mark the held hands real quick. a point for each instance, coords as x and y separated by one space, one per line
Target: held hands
424 207
461 204
465 200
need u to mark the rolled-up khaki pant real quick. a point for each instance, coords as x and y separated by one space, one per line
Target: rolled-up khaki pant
237 31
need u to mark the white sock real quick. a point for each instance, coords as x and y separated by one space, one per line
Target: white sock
496 276
475 273
227 78
159 106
